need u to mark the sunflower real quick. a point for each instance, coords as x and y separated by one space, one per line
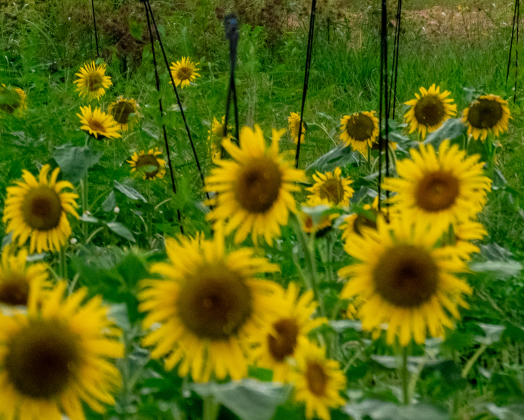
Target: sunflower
355 222
466 232
488 114
57 355
12 100
446 189
124 112
429 111
294 122
148 164
360 131
404 280
216 136
16 277
254 190
330 188
281 338
208 306
184 72
98 123
39 209
92 81
318 381
308 225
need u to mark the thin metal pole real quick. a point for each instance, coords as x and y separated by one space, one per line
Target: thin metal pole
94 24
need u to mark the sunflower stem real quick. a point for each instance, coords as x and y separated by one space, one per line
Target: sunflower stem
63 262
473 359
211 408
405 375
85 186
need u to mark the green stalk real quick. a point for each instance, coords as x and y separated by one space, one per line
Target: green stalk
473 359
63 263
85 206
211 408
405 375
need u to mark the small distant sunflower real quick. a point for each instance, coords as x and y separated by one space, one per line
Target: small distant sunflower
254 189
57 355
184 72
330 188
16 277
294 122
488 114
216 136
92 81
466 232
429 111
281 338
446 189
404 280
308 225
355 222
318 381
208 307
98 123
39 209
124 112
12 100
148 164
360 131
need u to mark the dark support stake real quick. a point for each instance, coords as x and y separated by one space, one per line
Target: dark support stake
94 24
394 75
148 8
306 74
162 111
231 24
383 101
516 19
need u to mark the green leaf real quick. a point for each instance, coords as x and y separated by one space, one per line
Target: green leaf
109 203
451 129
135 29
248 399
75 161
129 192
88 219
382 410
493 333
118 314
340 156
506 386
345 324
500 269
510 412
121 230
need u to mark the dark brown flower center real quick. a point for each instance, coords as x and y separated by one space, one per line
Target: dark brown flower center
333 190
485 113
437 191
42 208
97 126
406 276
316 379
184 73
215 302
364 221
42 358
283 343
121 111
430 111
148 165
14 290
258 185
10 100
93 82
360 127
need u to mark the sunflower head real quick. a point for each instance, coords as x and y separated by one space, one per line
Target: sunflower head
38 209
330 188
429 110
209 305
148 164
12 100
255 188
56 355
487 114
98 124
447 188
318 381
92 81
16 277
321 228
360 131
184 72
124 112
294 123
404 279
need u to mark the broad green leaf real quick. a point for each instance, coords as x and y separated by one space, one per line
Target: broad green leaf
135 29
129 192
493 333
248 399
451 129
506 386
109 203
345 324
501 269
382 410
88 219
118 314
510 412
340 156
121 230
75 161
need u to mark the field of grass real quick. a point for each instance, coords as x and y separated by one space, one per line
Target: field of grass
471 370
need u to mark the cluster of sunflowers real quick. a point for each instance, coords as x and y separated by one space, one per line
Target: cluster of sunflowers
210 314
